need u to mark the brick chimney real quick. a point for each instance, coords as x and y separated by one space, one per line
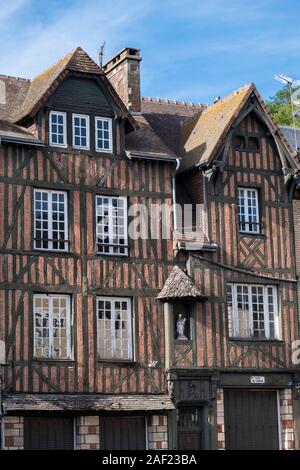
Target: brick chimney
123 71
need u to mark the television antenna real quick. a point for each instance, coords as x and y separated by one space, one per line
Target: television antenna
101 54
294 89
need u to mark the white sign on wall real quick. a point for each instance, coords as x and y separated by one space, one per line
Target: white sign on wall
2 352
258 379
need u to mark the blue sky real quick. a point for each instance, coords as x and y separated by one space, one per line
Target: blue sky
192 50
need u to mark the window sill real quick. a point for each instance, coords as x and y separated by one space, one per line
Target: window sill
44 250
99 151
255 340
116 255
124 362
183 341
55 146
53 361
252 235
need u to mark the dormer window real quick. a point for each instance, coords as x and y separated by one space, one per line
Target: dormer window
103 128
239 142
253 144
58 129
81 131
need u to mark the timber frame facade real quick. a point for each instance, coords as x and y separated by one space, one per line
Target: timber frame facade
79 86
246 380
152 343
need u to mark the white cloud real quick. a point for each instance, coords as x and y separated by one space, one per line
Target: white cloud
7 9
39 44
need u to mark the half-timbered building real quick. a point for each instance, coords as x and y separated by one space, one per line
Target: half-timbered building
230 365
113 341
79 318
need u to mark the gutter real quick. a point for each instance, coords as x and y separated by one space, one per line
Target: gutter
12 140
151 156
174 194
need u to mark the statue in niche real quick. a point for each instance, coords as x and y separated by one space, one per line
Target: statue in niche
180 324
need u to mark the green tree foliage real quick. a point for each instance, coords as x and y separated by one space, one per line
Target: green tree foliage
281 108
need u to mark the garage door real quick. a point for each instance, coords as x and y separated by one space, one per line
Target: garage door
48 433
251 420
123 433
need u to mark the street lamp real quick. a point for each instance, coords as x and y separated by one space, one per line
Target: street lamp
288 81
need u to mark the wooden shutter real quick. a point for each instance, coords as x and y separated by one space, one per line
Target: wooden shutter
251 420
123 433
48 433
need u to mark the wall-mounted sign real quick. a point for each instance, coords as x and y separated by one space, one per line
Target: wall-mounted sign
2 352
258 379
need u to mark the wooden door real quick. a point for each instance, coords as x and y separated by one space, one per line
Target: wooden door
48 433
190 428
251 420
123 433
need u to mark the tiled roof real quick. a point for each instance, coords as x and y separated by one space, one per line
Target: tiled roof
166 118
13 133
192 131
200 142
25 97
45 83
79 402
145 139
179 286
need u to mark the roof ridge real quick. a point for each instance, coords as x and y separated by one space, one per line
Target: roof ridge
68 56
82 51
16 78
176 102
231 95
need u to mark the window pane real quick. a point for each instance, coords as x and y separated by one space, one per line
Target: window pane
114 329
80 131
248 210
103 135
57 126
111 228
41 325
52 327
50 220
258 312
252 310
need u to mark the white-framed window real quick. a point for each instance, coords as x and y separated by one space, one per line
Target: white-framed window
111 225
248 212
58 129
52 326
253 311
114 328
81 131
50 220
103 130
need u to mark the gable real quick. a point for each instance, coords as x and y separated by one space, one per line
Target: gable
207 144
81 93
253 146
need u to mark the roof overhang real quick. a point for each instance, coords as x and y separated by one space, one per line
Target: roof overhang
180 286
151 156
83 402
20 141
